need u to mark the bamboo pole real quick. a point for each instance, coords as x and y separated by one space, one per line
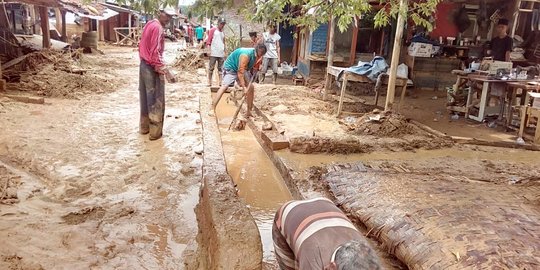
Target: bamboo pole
395 55
330 57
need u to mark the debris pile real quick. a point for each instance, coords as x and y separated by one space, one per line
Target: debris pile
382 124
54 73
189 59
33 62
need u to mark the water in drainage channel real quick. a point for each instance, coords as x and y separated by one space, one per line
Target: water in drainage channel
258 181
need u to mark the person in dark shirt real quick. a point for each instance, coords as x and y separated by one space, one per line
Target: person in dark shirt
501 45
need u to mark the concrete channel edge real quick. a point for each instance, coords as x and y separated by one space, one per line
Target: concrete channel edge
228 236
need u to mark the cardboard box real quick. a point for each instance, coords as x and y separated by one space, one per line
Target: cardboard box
536 100
420 49
496 65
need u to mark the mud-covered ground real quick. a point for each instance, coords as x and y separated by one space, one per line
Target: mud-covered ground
311 124
92 192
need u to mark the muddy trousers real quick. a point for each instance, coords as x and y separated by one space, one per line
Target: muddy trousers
152 100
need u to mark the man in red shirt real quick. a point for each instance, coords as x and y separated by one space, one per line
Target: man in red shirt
151 75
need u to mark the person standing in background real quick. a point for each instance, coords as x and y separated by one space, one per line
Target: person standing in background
273 55
151 75
253 39
190 34
199 33
216 44
501 45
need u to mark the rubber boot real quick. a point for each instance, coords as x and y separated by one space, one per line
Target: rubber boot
261 78
274 78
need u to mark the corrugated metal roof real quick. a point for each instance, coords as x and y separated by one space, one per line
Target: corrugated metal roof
75 6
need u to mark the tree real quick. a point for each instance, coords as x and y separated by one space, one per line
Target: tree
148 6
208 8
312 13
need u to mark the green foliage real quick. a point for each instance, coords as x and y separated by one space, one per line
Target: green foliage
311 13
210 7
148 6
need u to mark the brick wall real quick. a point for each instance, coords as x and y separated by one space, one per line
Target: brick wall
318 44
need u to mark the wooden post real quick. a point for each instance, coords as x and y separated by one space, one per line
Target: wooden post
330 57
352 57
4 21
240 44
64 28
33 13
100 30
44 18
13 22
58 17
296 47
395 55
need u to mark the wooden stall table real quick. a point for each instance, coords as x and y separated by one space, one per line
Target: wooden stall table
353 77
526 113
512 88
462 79
484 109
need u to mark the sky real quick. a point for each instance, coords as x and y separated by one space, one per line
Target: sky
186 2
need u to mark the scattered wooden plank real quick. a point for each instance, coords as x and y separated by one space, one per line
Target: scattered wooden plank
214 89
14 62
274 140
429 129
27 99
474 141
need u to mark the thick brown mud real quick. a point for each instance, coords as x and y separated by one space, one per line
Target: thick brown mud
94 193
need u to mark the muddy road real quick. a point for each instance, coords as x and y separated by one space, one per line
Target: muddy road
93 193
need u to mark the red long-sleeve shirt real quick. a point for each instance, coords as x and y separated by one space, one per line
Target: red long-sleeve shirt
152 44
210 36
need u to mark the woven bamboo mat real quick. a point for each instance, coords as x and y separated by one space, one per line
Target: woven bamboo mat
438 221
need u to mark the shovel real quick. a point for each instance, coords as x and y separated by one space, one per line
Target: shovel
242 101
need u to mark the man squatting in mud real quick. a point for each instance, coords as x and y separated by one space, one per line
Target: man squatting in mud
240 67
152 75
315 234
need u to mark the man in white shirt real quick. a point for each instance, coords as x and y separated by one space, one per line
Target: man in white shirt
216 44
271 40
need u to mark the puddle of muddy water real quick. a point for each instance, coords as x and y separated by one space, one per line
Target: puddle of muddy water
258 181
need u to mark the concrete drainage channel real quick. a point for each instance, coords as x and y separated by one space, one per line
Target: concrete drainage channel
241 191
258 182
228 237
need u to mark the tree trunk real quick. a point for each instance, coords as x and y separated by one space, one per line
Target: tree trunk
395 56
